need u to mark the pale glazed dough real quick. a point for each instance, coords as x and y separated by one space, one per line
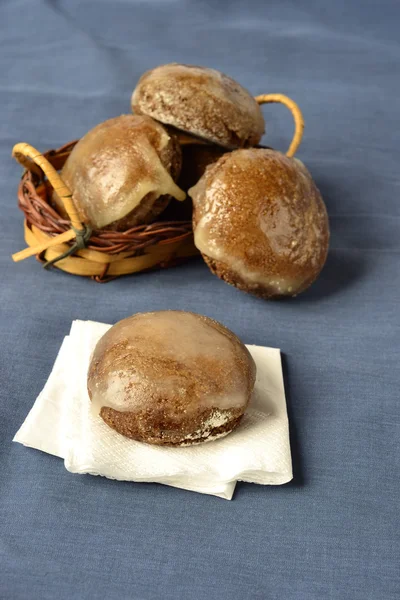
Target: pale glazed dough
260 222
200 101
179 378
118 164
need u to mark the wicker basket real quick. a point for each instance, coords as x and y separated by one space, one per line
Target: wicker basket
102 255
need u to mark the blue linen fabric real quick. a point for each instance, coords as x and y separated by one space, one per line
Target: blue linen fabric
331 534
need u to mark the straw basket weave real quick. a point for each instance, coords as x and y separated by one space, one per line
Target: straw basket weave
100 254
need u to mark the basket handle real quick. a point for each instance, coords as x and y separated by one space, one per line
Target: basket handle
25 154
297 116
22 152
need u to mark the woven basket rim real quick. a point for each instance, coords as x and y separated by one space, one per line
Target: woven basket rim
56 240
33 199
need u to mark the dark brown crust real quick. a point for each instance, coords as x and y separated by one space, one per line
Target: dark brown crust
222 271
146 212
143 428
202 102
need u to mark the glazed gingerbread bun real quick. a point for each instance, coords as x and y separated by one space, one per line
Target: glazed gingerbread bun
260 222
202 102
122 173
170 378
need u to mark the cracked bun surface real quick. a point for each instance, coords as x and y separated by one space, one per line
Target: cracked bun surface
122 173
260 222
170 378
202 102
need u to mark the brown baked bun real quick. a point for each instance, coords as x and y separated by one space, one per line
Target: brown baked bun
202 102
170 378
122 173
260 222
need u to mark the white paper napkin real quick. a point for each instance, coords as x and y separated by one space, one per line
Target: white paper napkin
61 423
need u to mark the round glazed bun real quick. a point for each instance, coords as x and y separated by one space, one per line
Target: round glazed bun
202 102
122 172
260 222
170 378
